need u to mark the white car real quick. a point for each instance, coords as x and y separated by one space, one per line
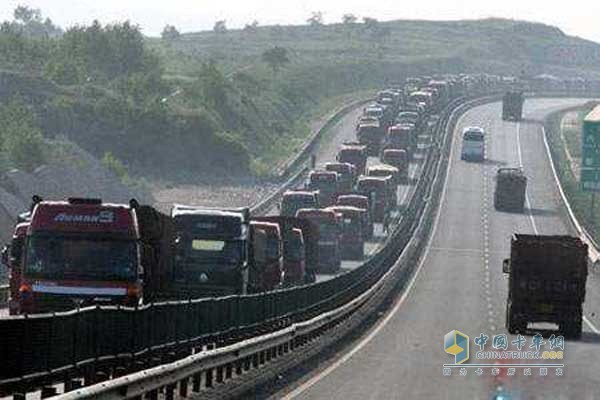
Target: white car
473 144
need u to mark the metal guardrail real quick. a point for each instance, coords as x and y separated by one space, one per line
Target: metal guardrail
219 364
226 322
241 355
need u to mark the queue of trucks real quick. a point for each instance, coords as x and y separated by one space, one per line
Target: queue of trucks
347 197
77 252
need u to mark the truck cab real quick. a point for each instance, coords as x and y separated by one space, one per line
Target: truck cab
346 175
326 183
352 240
397 158
266 270
300 248
400 137
211 251
328 223
355 154
363 203
73 254
370 134
376 188
294 200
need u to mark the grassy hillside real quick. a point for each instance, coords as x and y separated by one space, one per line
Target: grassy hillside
207 104
505 45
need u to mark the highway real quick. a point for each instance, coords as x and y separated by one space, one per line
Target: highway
459 284
344 131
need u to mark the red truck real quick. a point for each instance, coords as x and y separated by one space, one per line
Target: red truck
352 241
328 223
79 252
355 154
300 239
75 253
266 255
326 183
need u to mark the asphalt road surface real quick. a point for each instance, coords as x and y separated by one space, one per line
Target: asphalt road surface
460 285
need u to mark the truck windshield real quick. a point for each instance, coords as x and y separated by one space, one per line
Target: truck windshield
211 250
292 204
472 136
81 258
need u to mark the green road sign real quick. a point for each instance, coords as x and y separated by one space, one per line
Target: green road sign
590 157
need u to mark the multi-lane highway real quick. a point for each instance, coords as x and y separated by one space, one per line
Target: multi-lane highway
459 285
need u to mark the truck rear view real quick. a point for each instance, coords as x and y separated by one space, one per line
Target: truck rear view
511 187
512 106
547 278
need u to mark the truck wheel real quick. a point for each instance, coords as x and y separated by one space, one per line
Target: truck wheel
513 323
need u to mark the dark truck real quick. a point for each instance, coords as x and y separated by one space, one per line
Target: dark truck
512 106
300 248
546 282
211 252
511 186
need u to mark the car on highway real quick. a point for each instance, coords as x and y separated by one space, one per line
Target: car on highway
473 144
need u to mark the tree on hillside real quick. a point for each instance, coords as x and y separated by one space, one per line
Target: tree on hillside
21 140
252 27
212 86
97 52
370 23
170 33
315 19
276 58
220 26
26 14
29 21
349 19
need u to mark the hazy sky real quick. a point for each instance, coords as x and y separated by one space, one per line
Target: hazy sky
576 17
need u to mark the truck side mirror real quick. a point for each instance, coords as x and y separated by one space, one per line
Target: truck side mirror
506 266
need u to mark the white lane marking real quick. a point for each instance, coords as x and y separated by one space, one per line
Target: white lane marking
589 323
315 379
527 202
